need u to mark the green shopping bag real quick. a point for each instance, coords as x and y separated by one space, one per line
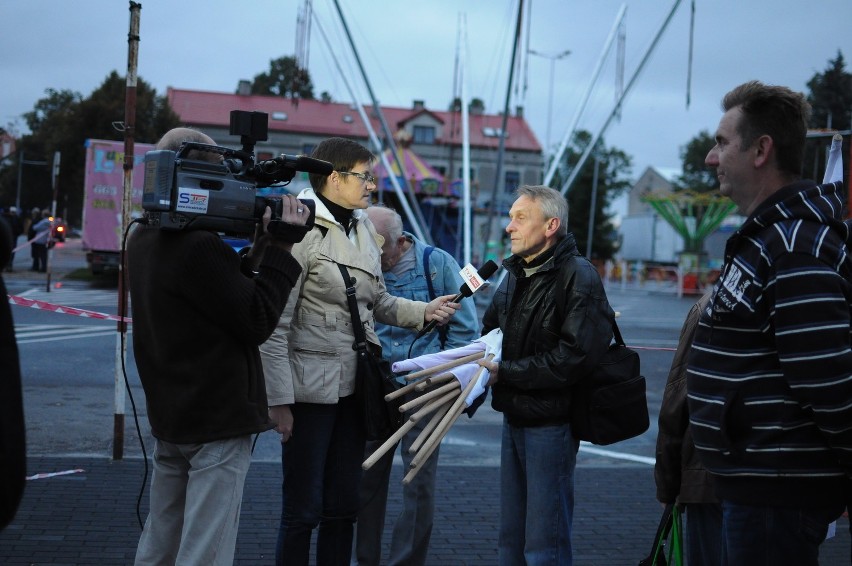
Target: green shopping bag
667 549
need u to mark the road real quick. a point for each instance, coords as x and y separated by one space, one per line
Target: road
69 374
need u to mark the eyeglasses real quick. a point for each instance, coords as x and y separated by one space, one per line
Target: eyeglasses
366 177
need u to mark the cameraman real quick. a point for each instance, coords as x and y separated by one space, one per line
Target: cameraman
199 315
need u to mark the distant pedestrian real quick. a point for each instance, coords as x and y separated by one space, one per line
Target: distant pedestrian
16 226
40 239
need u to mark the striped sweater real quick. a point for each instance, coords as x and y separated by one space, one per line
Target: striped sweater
770 372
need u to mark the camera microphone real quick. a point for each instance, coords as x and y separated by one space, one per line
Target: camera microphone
476 280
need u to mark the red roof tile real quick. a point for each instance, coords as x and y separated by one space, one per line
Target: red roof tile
204 108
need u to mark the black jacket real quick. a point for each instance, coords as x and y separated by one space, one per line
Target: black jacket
556 325
197 325
13 463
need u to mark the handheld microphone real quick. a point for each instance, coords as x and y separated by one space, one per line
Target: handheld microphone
484 273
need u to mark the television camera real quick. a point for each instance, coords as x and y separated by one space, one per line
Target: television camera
203 186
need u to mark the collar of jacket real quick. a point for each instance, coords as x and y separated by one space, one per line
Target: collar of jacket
565 246
799 200
322 212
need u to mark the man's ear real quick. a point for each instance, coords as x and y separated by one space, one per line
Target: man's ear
552 226
764 148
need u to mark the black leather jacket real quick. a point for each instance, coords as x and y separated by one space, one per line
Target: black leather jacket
556 325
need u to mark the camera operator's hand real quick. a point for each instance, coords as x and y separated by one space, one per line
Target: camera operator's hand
297 219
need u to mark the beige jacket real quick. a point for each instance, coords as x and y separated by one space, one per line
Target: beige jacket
309 357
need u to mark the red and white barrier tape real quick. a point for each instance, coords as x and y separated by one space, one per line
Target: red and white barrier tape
50 307
54 474
29 242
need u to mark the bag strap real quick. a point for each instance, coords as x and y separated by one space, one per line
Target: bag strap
662 534
360 344
442 330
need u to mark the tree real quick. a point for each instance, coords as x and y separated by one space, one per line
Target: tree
63 121
696 175
831 96
614 168
285 78
831 103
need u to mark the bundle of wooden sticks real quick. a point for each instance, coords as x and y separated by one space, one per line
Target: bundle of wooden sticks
443 397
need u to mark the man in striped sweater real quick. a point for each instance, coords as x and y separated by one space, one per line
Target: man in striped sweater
770 371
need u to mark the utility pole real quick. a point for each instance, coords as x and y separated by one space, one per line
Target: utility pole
55 177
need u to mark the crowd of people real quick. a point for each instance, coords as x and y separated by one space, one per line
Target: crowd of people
37 227
754 439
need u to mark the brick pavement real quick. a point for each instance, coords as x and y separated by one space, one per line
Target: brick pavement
90 517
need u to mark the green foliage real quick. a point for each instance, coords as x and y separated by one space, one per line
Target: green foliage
696 175
285 78
614 169
62 121
476 106
831 96
831 103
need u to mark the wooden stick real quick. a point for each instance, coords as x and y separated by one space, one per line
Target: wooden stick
430 426
445 423
443 367
390 443
425 453
435 405
437 392
402 390
434 380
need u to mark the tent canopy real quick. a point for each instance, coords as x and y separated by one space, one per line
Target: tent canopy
422 176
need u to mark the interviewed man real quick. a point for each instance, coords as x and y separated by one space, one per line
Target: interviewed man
556 323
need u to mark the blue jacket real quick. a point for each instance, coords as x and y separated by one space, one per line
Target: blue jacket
444 271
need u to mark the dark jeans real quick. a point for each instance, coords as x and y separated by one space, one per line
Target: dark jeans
322 472
703 534
770 536
39 252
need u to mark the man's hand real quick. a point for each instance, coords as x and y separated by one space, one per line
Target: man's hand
282 416
441 310
492 368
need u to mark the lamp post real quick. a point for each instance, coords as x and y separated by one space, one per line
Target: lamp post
553 60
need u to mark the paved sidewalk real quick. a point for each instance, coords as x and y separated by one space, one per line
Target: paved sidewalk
90 517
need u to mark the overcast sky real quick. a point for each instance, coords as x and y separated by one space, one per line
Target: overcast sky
409 50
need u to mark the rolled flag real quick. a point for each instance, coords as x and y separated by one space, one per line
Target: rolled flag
834 166
431 360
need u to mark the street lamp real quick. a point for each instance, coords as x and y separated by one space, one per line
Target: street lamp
553 60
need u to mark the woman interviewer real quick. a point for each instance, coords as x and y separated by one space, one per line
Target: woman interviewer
309 362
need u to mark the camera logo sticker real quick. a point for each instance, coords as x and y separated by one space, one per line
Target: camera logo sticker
192 200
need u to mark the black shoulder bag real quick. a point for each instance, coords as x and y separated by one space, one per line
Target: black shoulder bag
609 405
373 378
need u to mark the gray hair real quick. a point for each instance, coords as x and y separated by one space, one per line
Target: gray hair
551 201
394 224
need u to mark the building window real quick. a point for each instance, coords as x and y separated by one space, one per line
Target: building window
424 134
472 173
513 180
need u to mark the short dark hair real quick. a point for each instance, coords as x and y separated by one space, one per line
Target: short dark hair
776 111
343 154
